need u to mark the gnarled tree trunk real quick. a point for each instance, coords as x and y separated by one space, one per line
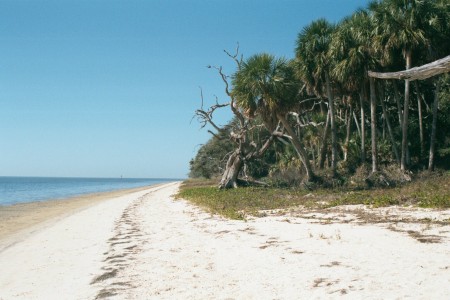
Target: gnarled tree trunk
245 152
232 170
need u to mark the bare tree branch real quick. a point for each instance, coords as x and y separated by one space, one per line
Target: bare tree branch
235 56
418 73
205 117
215 135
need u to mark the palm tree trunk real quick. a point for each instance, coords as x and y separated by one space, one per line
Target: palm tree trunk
373 124
433 127
357 124
333 126
322 107
390 131
362 97
403 163
348 131
400 112
419 111
323 150
298 147
399 105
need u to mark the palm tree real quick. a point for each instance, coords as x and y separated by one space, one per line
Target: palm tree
313 67
353 56
400 25
265 85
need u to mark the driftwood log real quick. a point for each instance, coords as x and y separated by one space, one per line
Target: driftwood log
418 73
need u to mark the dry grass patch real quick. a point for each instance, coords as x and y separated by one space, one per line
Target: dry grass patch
432 191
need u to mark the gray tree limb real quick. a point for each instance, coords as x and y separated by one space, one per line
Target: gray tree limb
418 73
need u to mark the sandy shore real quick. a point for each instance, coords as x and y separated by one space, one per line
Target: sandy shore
145 245
19 220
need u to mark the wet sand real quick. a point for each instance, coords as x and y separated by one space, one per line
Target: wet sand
20 220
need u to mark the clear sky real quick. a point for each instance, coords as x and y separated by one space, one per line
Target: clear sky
104 88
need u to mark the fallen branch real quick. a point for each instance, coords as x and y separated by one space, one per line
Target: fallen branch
418 73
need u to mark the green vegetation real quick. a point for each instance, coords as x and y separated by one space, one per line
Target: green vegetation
210 158
236 203
307 120
301 126
433 192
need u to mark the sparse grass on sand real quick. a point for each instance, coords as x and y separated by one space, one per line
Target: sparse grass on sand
432 192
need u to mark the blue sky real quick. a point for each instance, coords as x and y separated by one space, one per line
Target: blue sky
104 88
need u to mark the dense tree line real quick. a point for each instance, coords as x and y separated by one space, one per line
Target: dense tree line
321 113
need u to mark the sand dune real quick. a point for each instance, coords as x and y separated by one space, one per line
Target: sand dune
145 245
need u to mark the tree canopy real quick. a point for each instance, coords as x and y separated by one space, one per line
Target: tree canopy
307 105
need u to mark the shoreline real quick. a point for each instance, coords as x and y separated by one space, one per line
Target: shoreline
61 256
63 196
21 219
148 243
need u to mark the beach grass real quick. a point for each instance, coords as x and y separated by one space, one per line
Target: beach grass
428 192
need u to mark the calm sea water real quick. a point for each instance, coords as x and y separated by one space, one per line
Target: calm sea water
30 189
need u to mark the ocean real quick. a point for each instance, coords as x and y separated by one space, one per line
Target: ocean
15 190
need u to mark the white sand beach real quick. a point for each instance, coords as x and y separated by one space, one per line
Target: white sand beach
146 245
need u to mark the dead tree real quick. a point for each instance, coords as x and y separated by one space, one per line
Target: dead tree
246 149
